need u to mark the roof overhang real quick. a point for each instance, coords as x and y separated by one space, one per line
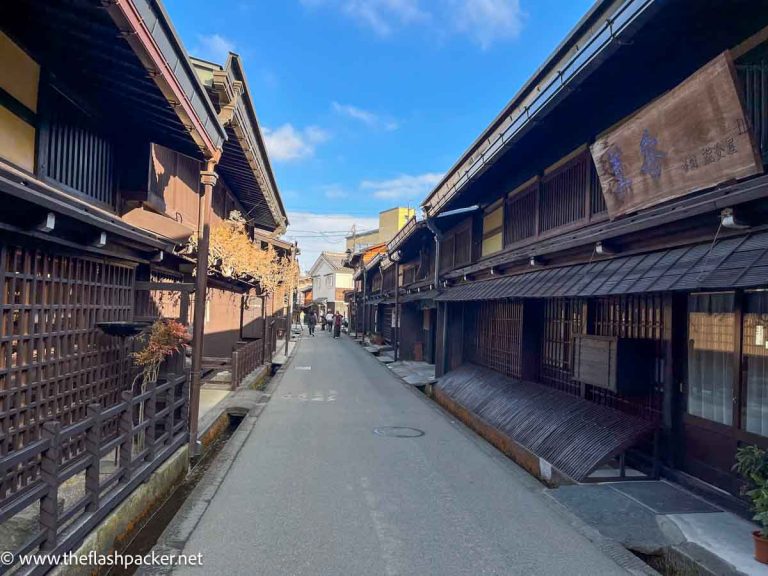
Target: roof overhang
583 88
244 163
567 65
128 64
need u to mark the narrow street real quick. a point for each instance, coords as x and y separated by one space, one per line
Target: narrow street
316 491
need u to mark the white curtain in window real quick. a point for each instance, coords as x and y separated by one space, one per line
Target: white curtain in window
710 356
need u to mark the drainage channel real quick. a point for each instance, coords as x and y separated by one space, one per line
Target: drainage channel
147 536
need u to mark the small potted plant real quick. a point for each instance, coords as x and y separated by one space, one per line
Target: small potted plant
752 465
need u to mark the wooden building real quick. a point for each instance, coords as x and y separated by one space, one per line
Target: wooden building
415 309
111 150
367 295
603 250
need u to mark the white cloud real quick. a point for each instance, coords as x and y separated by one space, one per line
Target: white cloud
381 16
483 21
334 191
403 187
213 47
486 21
287 143
367 117
318 232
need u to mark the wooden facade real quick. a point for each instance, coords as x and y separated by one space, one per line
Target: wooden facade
100 171
537 258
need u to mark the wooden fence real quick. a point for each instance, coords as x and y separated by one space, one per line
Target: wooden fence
142 430
245 359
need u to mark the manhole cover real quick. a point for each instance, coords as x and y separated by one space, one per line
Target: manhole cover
398 432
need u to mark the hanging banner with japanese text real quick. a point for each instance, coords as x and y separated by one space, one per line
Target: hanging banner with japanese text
694 137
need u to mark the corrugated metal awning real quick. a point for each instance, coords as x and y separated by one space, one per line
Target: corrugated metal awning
738 262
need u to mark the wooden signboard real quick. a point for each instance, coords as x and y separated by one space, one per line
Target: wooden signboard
694 137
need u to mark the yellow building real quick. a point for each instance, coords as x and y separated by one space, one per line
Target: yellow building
390 222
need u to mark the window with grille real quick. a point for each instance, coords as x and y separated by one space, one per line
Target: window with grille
463 247
564 194
388 282
520 221
77 155
596 199
54 361
752 69
493 335
446 253
632 316
409 275
456 248
426 263
563 318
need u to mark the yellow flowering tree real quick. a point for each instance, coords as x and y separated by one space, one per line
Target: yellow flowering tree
233 254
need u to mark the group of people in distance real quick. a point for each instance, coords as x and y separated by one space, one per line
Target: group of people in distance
332 321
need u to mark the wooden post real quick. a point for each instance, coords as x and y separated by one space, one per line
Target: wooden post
150 412
93 449
264 335
184 307
170 401
49 474
126 431
235 374
396 329
208 179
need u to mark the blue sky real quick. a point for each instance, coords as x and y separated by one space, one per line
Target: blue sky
365 104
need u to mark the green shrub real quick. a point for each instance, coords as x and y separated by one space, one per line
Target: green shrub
752 465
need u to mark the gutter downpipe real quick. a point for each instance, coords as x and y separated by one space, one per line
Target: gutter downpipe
289 330
365 290
443 307
208 179
397 308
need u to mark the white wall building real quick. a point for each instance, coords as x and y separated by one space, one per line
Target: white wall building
330 279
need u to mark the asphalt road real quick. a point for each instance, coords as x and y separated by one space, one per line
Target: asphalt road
315 491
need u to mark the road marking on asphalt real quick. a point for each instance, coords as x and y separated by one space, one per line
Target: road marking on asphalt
316 397
303 367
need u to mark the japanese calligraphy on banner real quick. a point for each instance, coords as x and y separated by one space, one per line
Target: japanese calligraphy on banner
694 137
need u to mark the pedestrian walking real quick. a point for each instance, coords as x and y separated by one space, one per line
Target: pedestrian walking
337 325
311 322
329 320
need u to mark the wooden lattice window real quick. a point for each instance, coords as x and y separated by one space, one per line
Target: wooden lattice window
53 359
409 275
632 316
520 221
596 198
388 282
493 336
376 281
75 153
564 194
447 253
563 318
